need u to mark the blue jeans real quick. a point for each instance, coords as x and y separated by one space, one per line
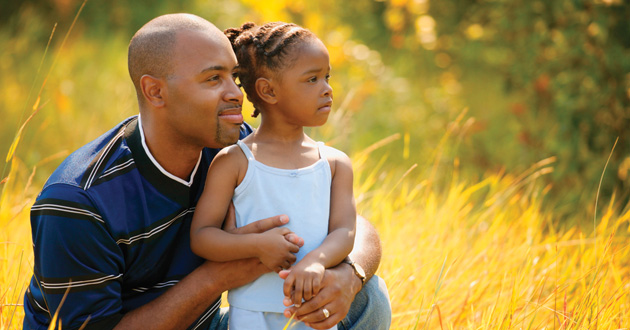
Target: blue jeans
370 310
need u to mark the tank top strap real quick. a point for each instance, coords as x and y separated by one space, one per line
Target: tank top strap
246 150
321 148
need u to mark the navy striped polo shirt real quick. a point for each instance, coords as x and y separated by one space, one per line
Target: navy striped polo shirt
112 229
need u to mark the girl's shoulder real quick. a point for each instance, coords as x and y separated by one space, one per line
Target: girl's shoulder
336 158
231 154
230 161
332 153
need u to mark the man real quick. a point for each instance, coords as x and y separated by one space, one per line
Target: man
111 226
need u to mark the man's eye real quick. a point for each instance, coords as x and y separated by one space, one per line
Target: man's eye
237 80
213 78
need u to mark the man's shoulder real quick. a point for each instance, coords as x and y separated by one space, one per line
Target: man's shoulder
86 165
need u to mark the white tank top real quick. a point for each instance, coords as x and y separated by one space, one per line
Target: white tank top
304 195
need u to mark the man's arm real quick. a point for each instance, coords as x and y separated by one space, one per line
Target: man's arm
182 304
367 249
340 284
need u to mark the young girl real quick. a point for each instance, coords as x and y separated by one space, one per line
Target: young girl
278 169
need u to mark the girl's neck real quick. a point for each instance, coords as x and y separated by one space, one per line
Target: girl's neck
281 133
282 146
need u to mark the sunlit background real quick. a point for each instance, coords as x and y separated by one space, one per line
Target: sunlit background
483 132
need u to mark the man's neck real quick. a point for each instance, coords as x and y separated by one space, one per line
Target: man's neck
174 160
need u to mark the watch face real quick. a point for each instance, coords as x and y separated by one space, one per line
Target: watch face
360 271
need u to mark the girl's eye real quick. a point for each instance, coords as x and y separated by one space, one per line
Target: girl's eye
312 79
327 77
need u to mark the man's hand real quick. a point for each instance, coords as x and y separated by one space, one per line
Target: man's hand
339 287
259 226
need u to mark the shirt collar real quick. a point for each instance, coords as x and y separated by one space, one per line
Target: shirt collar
159 167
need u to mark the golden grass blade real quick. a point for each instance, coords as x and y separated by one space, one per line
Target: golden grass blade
406 146
286 326
41 63
599 187
56 315
418 316
435 293
18 135
15 286
36 107
381 143
87 320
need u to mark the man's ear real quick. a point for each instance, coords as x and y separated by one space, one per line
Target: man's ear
153 90
265 90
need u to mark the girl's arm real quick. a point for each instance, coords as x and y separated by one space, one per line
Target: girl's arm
305 278
209 241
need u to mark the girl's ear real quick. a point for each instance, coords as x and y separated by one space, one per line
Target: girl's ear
264 89
153 90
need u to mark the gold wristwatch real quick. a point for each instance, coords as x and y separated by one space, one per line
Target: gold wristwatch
358 270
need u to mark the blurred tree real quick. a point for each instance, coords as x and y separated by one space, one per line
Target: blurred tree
564 64
541 78
570 62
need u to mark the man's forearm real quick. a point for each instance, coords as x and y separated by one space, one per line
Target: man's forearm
367 247
182 304
340 284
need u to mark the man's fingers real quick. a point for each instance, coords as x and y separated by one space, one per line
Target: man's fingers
229 224
312 305
318 320
263 225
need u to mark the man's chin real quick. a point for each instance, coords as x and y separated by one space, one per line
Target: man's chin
226 141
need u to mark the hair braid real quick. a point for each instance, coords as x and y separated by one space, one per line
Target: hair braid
260 50
289 39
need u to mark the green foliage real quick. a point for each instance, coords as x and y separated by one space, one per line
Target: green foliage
565 70
538 79
569 62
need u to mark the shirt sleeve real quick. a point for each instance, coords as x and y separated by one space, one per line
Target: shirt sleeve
75 254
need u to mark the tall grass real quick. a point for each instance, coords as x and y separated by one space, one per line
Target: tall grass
473 255
485 255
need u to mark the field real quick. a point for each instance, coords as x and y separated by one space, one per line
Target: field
464 247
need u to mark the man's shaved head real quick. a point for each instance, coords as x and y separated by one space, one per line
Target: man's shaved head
151 48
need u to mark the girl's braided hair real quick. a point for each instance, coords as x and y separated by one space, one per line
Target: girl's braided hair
263 49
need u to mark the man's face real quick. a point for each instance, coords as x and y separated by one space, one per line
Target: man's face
203 101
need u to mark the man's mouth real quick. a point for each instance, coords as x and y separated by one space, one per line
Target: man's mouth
232 115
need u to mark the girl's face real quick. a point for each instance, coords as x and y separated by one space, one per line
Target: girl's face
303 94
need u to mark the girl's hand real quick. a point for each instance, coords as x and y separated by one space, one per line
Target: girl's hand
276 251
304 281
